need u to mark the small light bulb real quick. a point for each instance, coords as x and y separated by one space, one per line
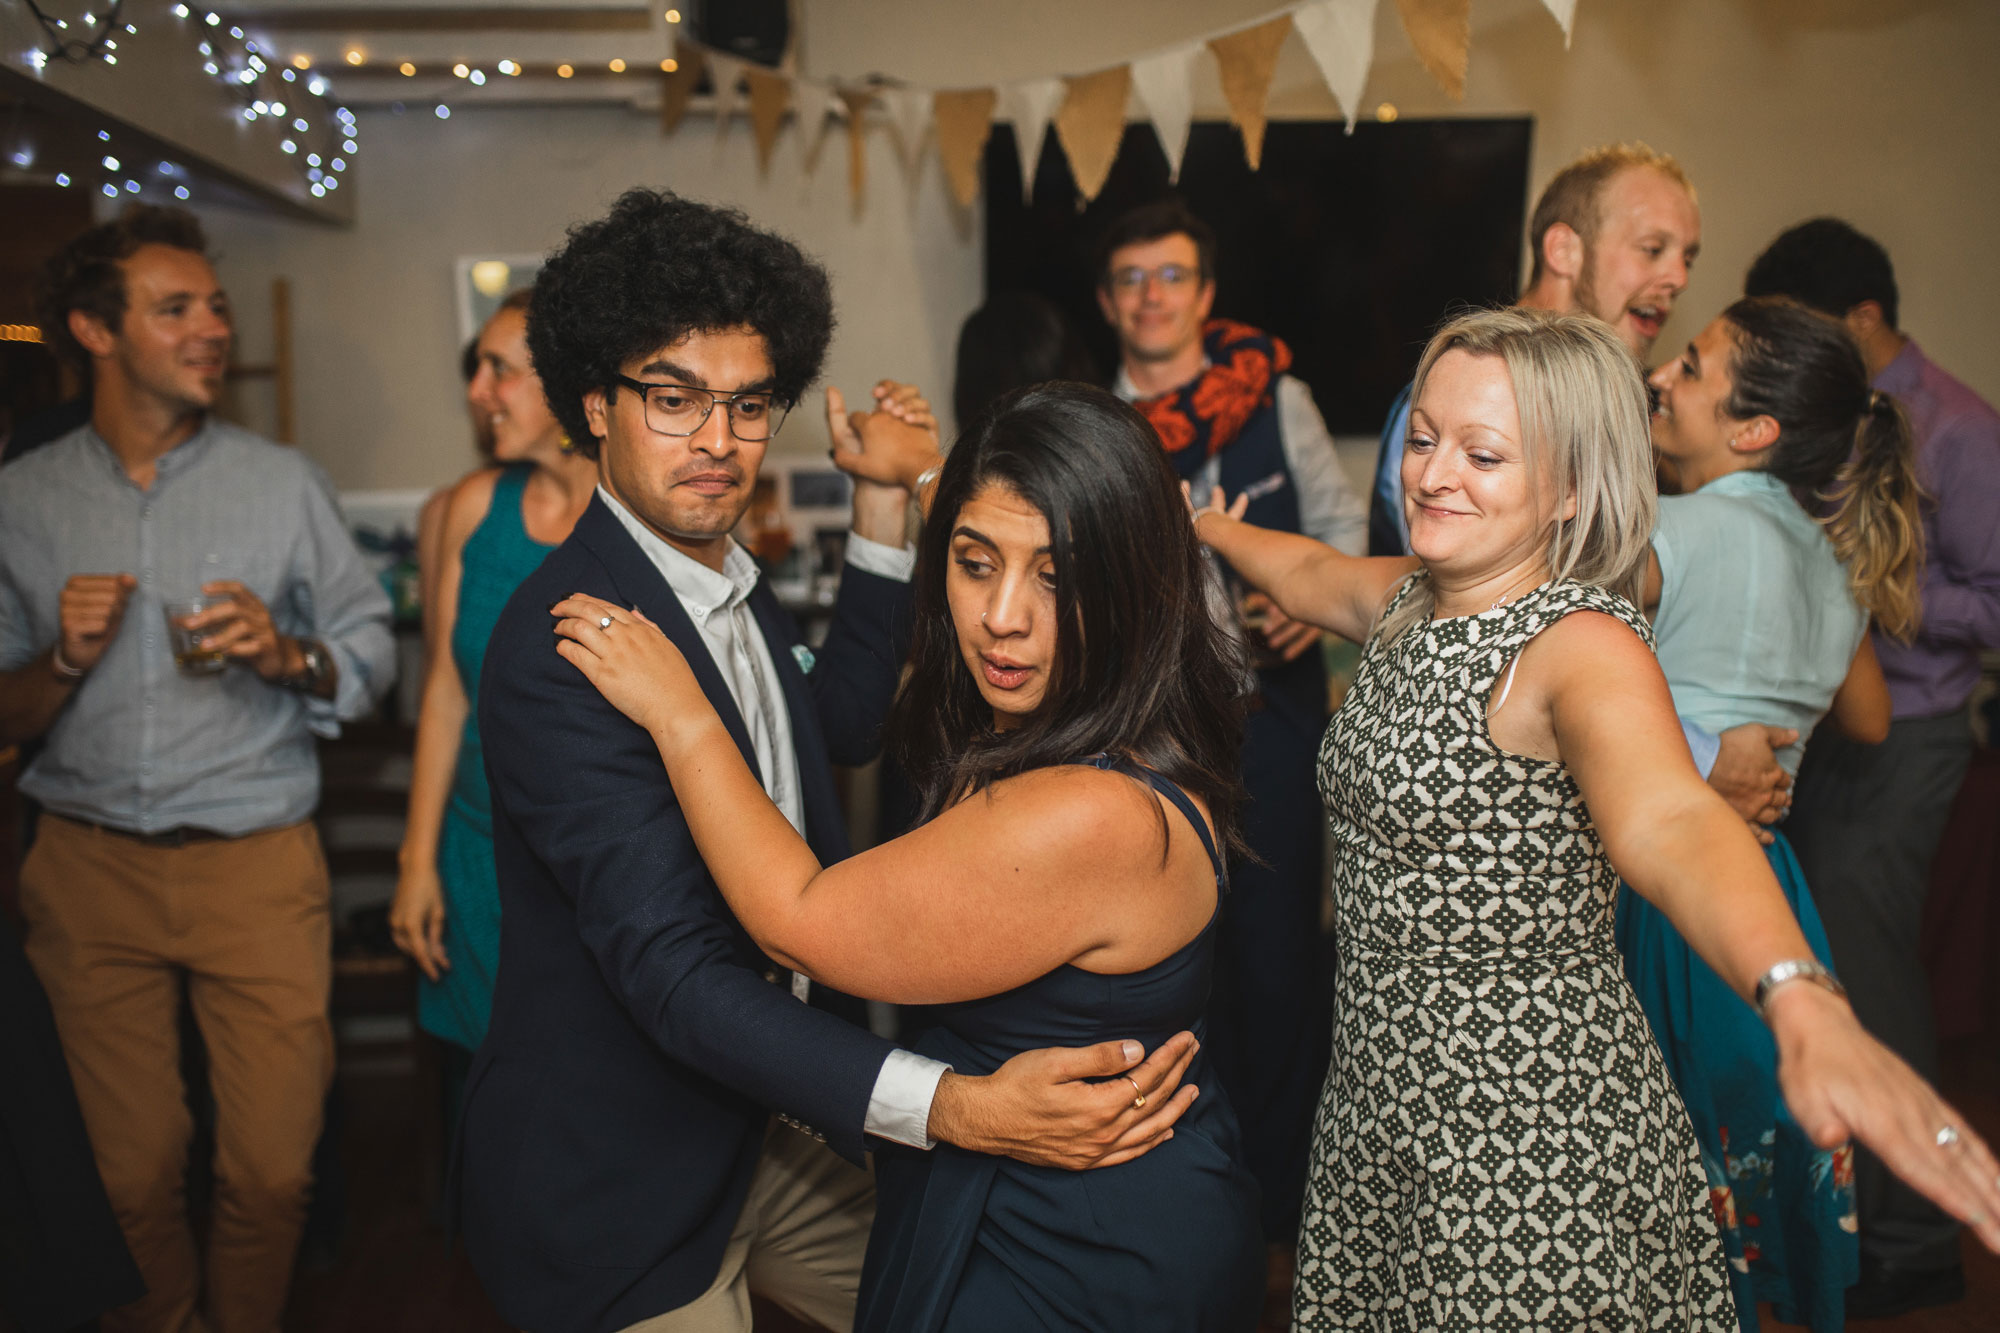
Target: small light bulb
562 71
277 108
312 159
180 11
669 65
617 65
211 19
460 70
180 192
111 192
443 111
347 145
338 164
260 107
62 177
409 71
132 187
300 125
354 57
478 77
110 163
302 61
288 74
210 67
319 191
104 136
673 16
289 146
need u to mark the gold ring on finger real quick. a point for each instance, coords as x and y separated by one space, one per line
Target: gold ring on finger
1138 1097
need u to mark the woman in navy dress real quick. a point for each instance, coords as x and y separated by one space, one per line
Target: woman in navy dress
1070 727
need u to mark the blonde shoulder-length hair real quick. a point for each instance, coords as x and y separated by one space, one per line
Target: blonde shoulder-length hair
1583 409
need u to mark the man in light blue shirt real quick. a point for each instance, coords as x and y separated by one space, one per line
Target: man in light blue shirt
176 846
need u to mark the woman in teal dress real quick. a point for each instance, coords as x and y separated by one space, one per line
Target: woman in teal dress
499 523
1761 611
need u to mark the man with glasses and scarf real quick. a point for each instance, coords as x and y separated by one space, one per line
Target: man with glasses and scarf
1228 415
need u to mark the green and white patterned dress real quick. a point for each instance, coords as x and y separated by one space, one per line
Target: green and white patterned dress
1499 1145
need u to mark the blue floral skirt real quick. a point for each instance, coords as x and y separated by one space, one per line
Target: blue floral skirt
1785 1205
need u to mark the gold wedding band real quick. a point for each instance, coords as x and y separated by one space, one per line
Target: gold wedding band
1138 1097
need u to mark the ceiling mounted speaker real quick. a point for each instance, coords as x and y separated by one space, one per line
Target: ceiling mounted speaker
758 30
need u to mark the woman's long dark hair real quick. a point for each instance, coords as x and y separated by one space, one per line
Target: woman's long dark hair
1014 340
1142 669
1845 450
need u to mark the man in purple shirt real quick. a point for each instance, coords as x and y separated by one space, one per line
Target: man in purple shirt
1867 820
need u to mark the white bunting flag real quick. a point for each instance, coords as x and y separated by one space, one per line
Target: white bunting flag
726 77
1565 12
1164 85
1340 34
1029 106
909 110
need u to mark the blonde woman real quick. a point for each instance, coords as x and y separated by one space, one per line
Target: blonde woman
1499 1143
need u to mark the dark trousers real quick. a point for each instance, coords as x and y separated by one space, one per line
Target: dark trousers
1866 823
1270 1017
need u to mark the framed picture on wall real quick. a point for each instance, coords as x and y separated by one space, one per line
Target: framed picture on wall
483 282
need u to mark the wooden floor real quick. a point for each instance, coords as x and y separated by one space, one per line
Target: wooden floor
391 1272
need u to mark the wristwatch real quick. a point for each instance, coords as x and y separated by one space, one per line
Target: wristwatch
1794 969
315 669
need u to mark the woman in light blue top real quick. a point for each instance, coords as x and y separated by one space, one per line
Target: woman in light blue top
1799 523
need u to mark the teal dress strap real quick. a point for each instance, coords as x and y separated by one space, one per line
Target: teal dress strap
496 558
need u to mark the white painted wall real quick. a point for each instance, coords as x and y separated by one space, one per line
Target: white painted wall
1883 111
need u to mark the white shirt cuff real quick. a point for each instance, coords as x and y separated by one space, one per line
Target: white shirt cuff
899 1109
889 562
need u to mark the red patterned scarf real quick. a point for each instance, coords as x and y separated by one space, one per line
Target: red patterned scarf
1204 416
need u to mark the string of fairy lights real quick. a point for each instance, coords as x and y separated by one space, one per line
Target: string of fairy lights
287 95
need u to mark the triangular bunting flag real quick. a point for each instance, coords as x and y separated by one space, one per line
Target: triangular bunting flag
964 122
1091 123
1340 34
910 112
769 92
1028 106
1565 12
1441 31
858 100
1248 59
812 105
1164 88
725 74
676 88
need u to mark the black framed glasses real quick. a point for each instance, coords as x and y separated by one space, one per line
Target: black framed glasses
679 409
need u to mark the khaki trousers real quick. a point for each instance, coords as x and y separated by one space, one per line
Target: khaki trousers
797 1243
114 925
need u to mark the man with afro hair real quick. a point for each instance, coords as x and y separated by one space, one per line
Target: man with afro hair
655 1123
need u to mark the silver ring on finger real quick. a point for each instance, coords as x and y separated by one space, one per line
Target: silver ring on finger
1948 1136
604 622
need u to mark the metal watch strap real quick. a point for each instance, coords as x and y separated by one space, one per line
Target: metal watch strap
1795 969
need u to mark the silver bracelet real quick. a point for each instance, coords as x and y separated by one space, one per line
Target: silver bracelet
927 476
62 668
1794 969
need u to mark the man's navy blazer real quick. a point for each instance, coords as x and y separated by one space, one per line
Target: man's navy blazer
637 1048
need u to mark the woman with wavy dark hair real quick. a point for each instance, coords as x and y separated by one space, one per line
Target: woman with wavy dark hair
1071 726
1798 522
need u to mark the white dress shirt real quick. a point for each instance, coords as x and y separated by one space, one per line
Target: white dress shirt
899 1109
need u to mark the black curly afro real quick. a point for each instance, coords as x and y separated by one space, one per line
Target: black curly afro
656 269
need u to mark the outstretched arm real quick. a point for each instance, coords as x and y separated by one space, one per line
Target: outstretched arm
1310 581
1677 843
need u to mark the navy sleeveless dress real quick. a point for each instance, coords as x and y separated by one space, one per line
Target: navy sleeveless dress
1169 1241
